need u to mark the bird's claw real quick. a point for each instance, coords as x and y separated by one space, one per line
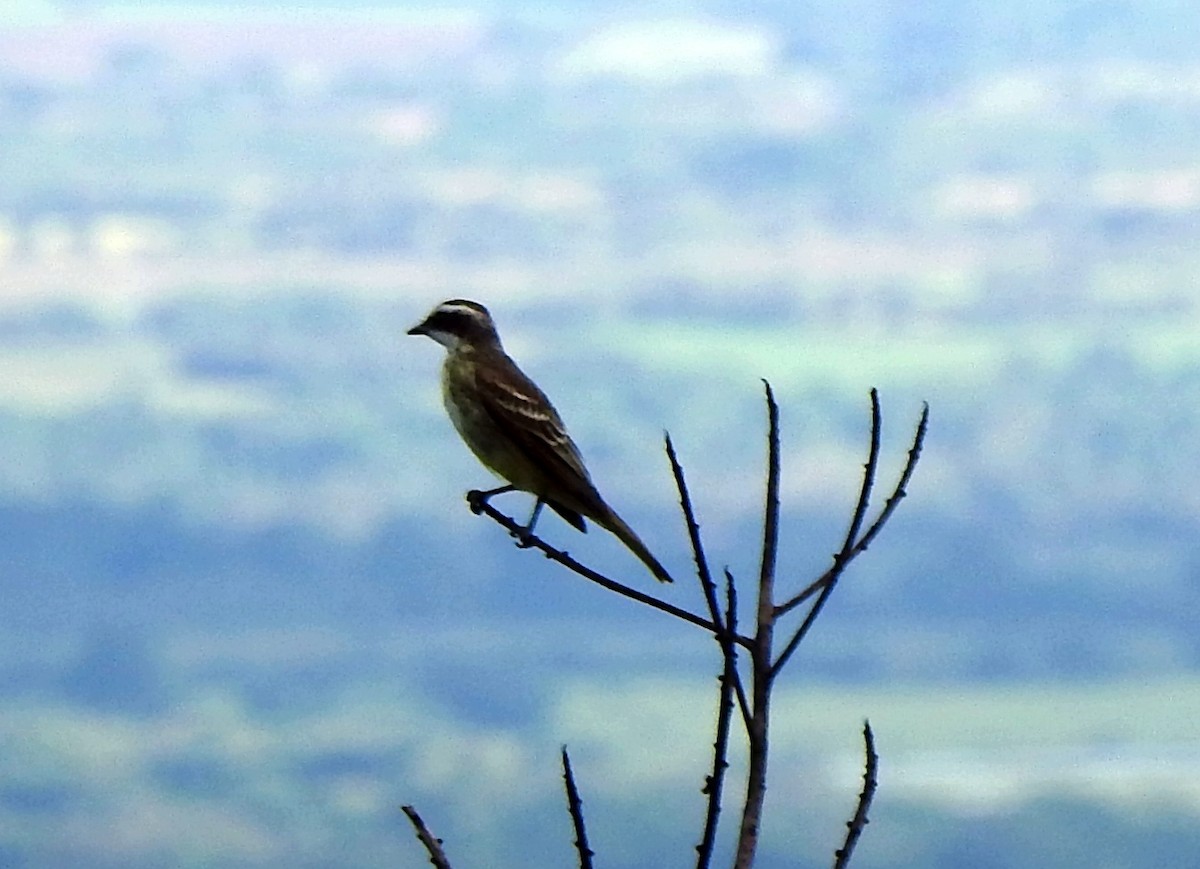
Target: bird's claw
476 500
524 538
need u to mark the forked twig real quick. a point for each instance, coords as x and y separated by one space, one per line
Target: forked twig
825 585
575 806
901 490
889 507
855 826
842 557
432 845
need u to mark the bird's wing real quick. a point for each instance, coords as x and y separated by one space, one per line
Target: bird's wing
524 413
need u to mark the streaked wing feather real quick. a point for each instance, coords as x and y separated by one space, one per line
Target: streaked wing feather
524 413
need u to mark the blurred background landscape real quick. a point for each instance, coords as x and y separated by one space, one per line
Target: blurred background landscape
244 613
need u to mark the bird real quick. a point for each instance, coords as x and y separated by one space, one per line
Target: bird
513 429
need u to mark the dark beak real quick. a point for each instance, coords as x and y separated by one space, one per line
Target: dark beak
418 329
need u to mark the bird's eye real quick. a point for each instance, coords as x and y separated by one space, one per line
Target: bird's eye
445 321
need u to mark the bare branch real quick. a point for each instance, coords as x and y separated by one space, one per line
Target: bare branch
433 846
534 542
702 570
809 590
802 631
575 806
760 714
731 617
770 544
855 826
693 528
868 483
901 490
705 575
829 580
729 679
843 558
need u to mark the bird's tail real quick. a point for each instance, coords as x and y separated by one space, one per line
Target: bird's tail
624 533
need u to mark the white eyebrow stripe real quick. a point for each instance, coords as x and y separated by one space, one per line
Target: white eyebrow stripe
469 310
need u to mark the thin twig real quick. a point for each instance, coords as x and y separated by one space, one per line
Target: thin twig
901 490
868 483
731 602
715 781
809 590
770 545
842 560
693 528
760 714
575 806
534 542
802 631
704 574
854 827
432 845
842 557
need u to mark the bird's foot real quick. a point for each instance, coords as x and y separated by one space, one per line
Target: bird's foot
477 499
524 537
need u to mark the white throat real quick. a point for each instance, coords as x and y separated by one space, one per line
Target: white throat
448 340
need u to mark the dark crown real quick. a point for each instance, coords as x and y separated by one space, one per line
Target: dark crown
462 317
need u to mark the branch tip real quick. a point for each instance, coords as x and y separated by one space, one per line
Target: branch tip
433 845
575 807
856 824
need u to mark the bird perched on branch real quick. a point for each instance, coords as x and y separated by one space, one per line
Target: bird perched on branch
512 428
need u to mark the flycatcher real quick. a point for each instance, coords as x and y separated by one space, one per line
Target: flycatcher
512 428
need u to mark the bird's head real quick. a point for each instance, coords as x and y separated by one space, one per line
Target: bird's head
458 324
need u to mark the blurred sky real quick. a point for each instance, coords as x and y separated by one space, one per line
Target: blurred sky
234 539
